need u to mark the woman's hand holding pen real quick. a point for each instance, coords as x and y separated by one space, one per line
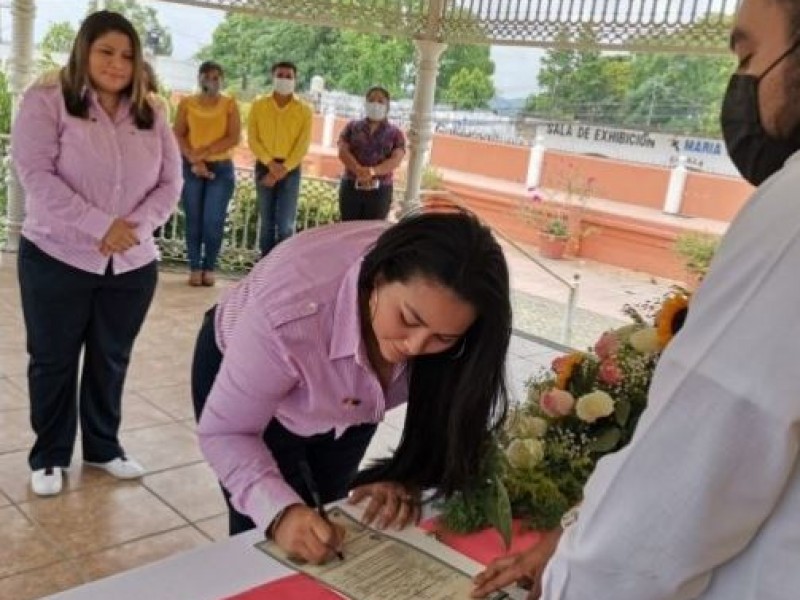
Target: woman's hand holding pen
390 504
306 535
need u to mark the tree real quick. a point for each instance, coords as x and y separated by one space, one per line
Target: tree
153 34
58 38
665 91
469 88
246 46
368 60
456 58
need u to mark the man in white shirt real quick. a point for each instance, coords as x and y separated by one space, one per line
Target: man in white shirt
705 501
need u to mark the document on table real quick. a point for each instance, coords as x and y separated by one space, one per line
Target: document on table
379 566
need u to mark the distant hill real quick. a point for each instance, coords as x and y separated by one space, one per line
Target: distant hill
507 105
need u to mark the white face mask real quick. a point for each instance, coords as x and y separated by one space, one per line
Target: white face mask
283 85
376 111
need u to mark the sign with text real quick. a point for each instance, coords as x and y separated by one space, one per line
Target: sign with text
703 154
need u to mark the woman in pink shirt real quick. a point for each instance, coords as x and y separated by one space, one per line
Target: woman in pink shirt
298 363
101 170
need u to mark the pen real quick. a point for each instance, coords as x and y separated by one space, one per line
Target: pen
308 479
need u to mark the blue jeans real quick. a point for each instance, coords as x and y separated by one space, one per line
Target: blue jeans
277 207
205 202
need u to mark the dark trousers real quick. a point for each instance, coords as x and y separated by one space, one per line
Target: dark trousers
333 462
67 311
356 205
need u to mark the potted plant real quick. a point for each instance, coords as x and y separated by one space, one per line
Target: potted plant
557 214
554 237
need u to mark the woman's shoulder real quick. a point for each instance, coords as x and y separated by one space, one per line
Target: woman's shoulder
45 91
47 80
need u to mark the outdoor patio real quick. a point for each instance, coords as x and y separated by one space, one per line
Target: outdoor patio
99 526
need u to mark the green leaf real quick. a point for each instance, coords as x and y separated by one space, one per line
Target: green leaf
622 412
498 510
606 441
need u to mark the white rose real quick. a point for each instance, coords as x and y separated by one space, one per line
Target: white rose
623 333
525 454
646 340
526 426
594 406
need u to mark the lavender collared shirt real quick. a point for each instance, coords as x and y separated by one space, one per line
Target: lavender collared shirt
81 174
290 336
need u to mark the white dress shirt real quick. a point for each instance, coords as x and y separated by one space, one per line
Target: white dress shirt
705 501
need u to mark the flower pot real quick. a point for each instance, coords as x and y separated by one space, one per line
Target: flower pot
552 246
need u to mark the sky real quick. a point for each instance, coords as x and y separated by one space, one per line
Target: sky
191 28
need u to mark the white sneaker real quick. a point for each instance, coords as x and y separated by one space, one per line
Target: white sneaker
47 482
121 468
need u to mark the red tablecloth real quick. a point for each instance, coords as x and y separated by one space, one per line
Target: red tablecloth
294 587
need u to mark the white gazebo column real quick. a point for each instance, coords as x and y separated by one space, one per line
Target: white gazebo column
420 132
21 69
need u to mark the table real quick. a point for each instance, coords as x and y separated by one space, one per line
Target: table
228 567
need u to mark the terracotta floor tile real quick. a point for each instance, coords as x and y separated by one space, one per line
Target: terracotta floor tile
215 527
100 517
138 413
140 552
13 362
175 400
11 396
41 582
154 373
24 546
15 475
193 491
15 430
162 447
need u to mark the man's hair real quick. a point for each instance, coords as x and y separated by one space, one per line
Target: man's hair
284 64
208 66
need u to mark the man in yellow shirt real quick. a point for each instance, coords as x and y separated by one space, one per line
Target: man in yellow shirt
279 134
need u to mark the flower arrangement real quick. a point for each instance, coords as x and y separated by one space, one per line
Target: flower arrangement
586 406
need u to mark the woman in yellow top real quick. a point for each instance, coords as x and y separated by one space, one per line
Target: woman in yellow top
208 128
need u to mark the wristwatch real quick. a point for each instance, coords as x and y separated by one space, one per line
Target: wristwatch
570 517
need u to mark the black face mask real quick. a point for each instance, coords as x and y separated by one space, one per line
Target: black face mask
755 153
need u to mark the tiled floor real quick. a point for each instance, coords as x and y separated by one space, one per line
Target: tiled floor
99 526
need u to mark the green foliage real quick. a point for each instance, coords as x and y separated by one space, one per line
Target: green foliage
587 406
58 38
697 250
318 204
672 92
5 105
469 88
153 34
247 46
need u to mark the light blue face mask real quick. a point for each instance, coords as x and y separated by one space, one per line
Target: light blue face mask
210 87
376 111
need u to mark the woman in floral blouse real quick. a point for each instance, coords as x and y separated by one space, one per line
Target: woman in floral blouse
370 150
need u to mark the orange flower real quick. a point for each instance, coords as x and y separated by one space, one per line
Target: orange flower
670 318
566 367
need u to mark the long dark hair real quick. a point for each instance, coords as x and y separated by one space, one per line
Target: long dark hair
75 75
458 397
